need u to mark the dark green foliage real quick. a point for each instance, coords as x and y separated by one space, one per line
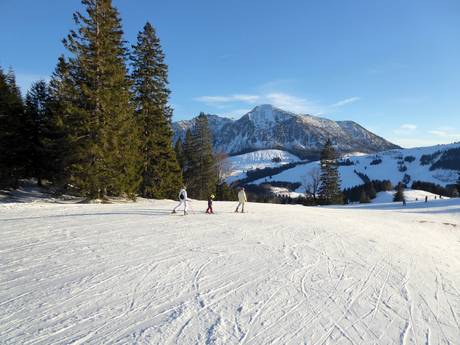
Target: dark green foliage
429 158
161 173
370 188
200 167
179 150
329 190
283 184
434 188
409 159
454 192
406 179
256 174
40 133
362 176
226 193
62 94
256 193
13 142
399 195
401 166
346 162
101 132
364 198
376 161
449 159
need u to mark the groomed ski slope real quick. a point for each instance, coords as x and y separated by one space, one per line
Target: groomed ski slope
134 274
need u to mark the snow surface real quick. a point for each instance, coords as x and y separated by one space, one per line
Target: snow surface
280 274
387 170
411 195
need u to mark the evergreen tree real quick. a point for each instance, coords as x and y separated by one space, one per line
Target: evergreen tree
364 198
454 192
62 96
161 173
39 131
179 150
99 123
201 172
329 191
370 190
225 192
189 156
399 195
13 143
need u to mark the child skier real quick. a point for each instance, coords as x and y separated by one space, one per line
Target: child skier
182 200
209 209
241 200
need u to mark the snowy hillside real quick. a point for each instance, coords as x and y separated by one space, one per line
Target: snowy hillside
134 274
411 196
260 159
268 127
390 165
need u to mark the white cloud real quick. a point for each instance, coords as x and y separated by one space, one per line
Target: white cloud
446 133
251 99
292 103
409 127
406 128
408 135
345 102
280 99
413 142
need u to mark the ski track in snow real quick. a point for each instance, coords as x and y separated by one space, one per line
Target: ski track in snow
134 274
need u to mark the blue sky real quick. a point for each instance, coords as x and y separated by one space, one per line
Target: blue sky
393 66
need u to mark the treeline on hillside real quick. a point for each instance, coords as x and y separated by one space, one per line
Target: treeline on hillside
102 125
268 172
449 159
366 192
451 191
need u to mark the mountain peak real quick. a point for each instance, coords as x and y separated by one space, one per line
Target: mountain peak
268 127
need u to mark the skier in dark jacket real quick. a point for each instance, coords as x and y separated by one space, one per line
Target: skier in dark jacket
209 209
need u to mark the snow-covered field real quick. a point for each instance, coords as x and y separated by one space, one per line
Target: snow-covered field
411 195
133 273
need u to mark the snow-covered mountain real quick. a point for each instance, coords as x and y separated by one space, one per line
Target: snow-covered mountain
267 127
436 164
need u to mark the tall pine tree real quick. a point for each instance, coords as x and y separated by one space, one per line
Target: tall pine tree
329 190
200 168
161 173
399 195
39 131
13 143
62 96
100 125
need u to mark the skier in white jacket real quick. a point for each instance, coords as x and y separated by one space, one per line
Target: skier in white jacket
182 200
241 200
